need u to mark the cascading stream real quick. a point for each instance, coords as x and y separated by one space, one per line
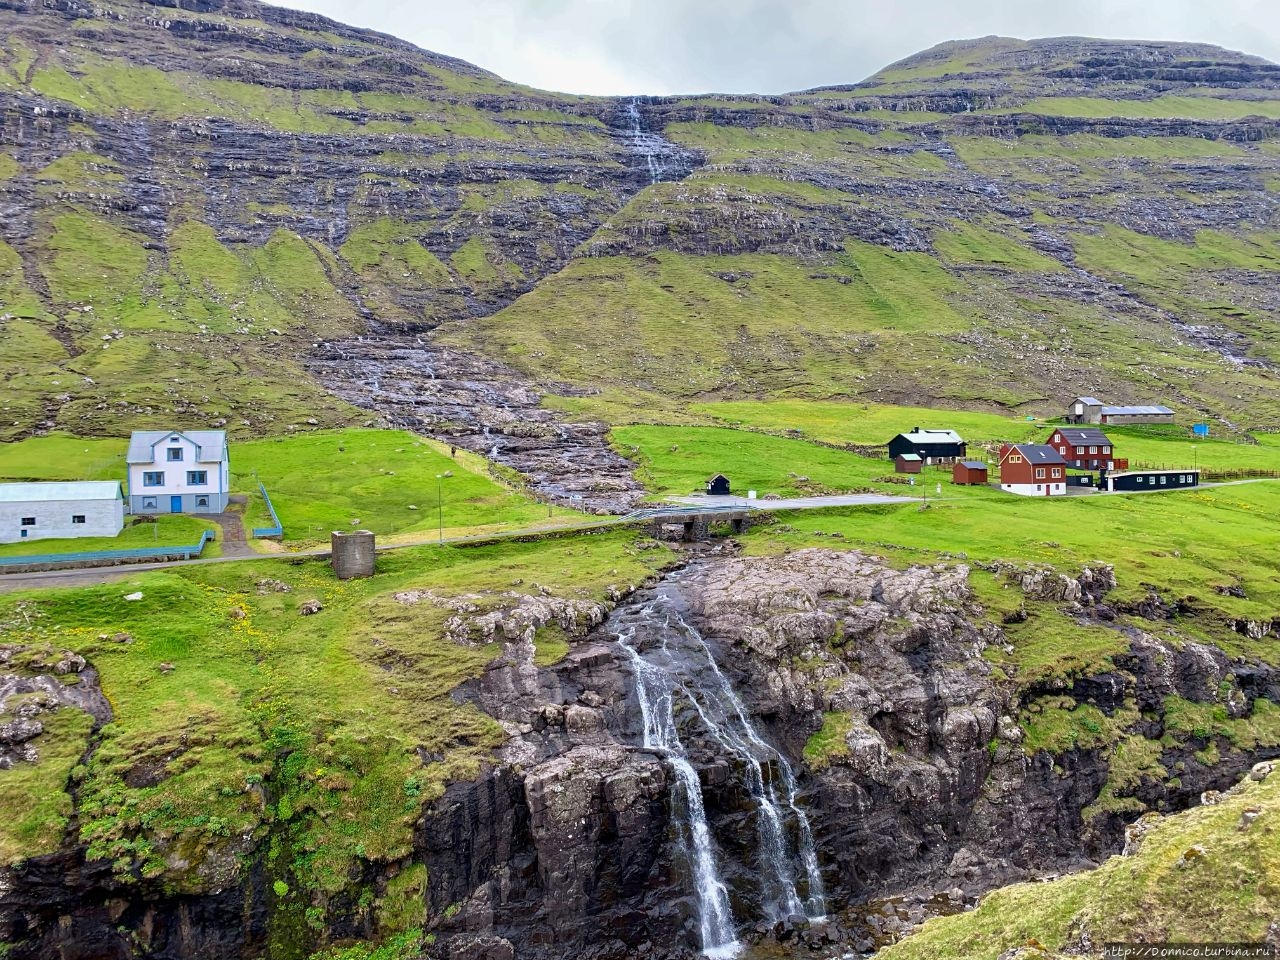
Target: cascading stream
681 687
652 146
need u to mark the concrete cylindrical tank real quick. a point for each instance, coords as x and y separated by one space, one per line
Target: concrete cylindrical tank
353 553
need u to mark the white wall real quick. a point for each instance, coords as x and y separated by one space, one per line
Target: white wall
1029 489
103 518
175 472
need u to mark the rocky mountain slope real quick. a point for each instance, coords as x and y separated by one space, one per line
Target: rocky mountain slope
233 212
484 781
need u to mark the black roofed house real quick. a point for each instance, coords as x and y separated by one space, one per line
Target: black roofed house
1084 448
718 486
931 446
1032 470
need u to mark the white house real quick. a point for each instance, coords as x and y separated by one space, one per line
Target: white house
43 511
178 471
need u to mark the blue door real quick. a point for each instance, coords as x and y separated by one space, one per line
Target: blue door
175 504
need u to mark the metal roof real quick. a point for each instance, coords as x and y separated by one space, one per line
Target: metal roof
1137 411
209 444
1079 435
910 456
60 490
1089 401
973 464
1039 453
932 436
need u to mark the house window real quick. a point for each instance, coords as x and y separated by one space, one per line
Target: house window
1106 450
1163 480
28 521
1056 473
1039 473
1079 451
175 454
1093 449
202 501
153 478
197 478
1015 459
77 518
1141 479
148 503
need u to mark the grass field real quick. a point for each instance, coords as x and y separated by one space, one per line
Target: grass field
679 460
1180 544
322 481
335 709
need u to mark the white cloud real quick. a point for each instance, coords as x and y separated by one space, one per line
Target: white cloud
767 46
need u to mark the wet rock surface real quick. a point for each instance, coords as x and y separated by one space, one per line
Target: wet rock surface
485 407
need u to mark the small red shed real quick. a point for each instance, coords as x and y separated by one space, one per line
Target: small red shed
907 463
969 473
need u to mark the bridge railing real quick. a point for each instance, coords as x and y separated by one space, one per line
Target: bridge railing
184 552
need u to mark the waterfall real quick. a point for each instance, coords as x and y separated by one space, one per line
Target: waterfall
680 684
656 691
650 144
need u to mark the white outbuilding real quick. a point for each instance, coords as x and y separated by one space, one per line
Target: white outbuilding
44 511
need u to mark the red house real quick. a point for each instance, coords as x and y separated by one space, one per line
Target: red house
1032 470
1084 448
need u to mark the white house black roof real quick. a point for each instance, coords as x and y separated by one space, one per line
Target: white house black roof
57 490
1082 435
210 444
1038 453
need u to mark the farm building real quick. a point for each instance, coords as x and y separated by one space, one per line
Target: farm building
1150 480
1032 470
1084 448
45 511
718 486
178 472
907 463
1093 410
931 446
969 473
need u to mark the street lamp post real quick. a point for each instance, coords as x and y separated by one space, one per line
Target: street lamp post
440 501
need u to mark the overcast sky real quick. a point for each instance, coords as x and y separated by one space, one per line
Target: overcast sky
766 46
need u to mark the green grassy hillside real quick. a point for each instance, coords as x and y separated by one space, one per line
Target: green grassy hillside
1207 873
991 224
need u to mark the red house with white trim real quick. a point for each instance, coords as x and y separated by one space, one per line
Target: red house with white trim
1032 470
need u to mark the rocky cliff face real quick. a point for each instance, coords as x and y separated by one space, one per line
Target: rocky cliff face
909 751
915 778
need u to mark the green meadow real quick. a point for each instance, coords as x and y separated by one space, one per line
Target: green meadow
318 482
338 709
385 479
